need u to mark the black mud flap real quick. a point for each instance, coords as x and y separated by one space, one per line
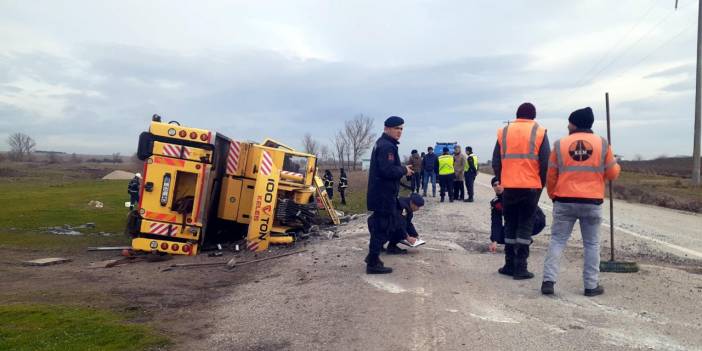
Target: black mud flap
146 145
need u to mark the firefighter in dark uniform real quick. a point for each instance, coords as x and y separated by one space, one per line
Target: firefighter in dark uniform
343 184
133 190
329 183
384 177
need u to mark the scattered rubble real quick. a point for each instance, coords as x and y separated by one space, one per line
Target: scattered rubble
95 204
47 261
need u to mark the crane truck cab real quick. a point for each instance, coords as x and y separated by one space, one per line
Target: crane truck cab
202 187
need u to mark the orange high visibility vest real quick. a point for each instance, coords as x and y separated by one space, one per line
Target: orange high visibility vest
520 142
579 165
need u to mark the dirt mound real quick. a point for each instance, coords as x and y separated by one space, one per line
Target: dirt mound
119 175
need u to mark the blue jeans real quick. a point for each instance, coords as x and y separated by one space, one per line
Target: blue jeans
564 217
429 175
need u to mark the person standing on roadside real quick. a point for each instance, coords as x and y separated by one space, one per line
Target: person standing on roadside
416 162
384 177
459 166
578 168
520 161
133 190
430 167
471 172
343 184
329 183
446 174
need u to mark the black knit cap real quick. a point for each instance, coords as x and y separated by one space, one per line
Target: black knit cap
394 121
526 110
494 180
582 118
417 199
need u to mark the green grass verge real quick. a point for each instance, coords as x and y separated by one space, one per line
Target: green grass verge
34 205
54 328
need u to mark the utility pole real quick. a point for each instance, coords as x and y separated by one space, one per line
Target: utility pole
698 101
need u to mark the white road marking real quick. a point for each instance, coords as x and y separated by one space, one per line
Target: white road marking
627 231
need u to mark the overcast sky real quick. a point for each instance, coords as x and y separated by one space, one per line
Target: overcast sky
85 76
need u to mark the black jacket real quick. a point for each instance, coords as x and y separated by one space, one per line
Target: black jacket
430 163
384 176
133 187
497 229
405 215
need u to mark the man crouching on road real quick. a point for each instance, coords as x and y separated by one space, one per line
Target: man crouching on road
405 232
577 169
384 177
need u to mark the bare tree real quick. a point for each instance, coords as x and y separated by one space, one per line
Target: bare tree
341 147
116 158
360 136
309 145
324 152
21 146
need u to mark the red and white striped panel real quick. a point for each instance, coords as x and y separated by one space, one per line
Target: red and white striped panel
266 163
233 157
293 174
175 150
163 229
252 246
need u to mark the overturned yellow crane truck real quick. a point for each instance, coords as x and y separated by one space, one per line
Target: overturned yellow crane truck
201 187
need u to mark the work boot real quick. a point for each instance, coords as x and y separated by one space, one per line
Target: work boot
547 288
375 266
393 249
599 290
442 199
470 199
508 268
520 263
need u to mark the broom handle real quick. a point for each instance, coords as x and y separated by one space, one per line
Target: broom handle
611 199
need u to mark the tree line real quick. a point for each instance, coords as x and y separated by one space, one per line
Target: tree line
348 144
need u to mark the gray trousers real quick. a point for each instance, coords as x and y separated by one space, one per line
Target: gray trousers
564 217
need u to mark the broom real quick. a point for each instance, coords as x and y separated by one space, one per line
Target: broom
612 265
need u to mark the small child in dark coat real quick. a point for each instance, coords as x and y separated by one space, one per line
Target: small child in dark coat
497 228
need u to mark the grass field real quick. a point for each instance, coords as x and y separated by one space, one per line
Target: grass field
54 328
32 205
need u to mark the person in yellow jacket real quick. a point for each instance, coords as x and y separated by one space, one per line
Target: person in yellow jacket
520 161
577 170
446 174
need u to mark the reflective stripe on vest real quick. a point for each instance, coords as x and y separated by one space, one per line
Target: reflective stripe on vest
531 155
446 164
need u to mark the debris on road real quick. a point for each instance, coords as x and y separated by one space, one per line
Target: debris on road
95 204
230 263
63 230
47 261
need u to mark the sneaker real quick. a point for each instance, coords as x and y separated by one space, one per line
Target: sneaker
378 269
394 250
416 243
522 275
470 200
599 290
547 288
506 270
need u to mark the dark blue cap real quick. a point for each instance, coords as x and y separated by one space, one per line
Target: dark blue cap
394 121
417 199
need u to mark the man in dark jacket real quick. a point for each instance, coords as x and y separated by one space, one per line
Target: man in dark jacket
133 190
471 172
405 230
430 167
384 177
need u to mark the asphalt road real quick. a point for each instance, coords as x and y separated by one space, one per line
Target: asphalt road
448 295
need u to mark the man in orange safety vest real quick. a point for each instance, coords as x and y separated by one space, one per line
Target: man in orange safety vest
578 168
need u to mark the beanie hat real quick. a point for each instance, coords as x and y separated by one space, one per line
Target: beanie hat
416 199
582 118
394 121
494 180
526 110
